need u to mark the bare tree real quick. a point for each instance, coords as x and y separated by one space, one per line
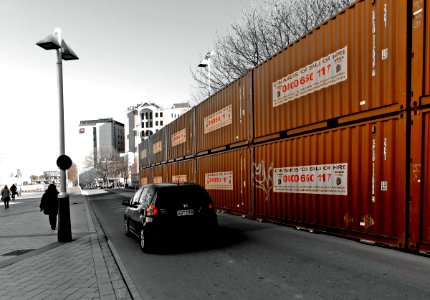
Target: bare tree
261 33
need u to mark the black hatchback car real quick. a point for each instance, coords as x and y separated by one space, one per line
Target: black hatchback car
159 212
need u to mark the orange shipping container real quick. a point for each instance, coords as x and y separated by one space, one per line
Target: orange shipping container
225 117
419 200
226 176
180 136
144 154
159 174
349 180
183 171
354 63
157 147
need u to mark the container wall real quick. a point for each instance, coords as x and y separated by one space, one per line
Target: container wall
144 154
180 136
354 63
419 59
426 60
183 171
157 147
145 176
225 117
159 174
226 176
349 180
419 200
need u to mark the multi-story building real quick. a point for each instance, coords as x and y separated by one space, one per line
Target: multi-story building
102 138
145 119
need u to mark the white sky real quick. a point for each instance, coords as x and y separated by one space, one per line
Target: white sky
129 51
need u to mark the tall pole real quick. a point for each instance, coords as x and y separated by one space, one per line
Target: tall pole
209 75
64 226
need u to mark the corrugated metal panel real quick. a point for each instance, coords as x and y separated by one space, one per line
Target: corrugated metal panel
159 174
180 136
226 176
184 171
145 176
350 180
419 200
419 59
225 118
144 154
157 147
425 61
365 50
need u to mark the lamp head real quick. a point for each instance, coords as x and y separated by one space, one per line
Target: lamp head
49 43
204 63
67 52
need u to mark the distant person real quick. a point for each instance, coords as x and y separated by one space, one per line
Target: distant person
5 196
13 190
49 204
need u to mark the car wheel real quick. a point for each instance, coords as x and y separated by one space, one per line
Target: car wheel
126 228
145 242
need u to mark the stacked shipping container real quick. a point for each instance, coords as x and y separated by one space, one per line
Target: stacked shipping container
321 133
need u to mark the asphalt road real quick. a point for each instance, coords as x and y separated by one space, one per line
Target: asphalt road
253 260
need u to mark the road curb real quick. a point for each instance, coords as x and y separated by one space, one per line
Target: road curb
123 271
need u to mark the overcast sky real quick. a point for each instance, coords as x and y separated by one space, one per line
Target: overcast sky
130 51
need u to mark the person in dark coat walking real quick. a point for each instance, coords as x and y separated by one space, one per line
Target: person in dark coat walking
5 196
49 204
13 190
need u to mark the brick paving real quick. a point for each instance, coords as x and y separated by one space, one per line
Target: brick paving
34 265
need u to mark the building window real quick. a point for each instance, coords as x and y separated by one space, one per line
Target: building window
156 123
156 115
150 115
161 115
147 124
150 124
142 116
161 123
146 115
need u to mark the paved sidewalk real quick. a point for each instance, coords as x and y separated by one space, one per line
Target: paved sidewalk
34 265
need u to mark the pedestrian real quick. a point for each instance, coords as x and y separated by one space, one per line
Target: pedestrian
13 191
5 196
49 204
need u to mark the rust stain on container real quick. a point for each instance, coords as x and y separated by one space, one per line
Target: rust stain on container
226 176
225 117
355 62
180 135
350 179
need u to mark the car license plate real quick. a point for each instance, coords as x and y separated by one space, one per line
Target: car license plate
185 212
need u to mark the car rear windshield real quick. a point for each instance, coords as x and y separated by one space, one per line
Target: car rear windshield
174 196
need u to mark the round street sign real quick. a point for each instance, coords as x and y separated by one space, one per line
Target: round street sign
64 162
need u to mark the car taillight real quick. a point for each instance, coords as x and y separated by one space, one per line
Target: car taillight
151 210
211 206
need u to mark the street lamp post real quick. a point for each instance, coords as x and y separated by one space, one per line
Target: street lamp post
64 52
206 62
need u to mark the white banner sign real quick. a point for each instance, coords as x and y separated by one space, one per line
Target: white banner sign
158 179
143 153
179 178
219 181
156 147
218 119
320 74
329 179
179 137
